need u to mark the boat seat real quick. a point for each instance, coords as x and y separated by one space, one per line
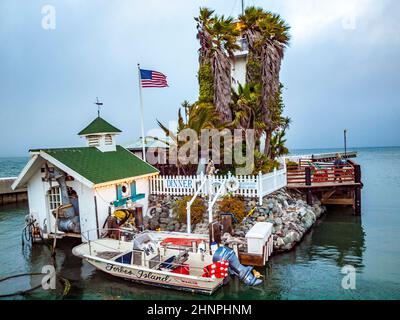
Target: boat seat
167 264
107 254
154 262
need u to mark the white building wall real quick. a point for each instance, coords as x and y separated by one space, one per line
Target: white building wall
239 71
87 210
104 196
143 186
87 199
37 199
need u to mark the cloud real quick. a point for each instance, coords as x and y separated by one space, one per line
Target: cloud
310 18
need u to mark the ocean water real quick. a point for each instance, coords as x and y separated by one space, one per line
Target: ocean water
313 270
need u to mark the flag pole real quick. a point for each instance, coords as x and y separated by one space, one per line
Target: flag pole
141 113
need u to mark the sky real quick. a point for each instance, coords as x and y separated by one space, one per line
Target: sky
342 69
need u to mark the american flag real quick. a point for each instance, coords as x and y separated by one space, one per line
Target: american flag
153 79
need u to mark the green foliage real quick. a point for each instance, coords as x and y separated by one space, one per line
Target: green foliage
253 70
234 205
291 164
263 164
197 210
206 83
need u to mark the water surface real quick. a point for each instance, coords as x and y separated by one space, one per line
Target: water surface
370 243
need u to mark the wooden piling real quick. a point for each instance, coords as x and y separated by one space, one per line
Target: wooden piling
308 183
226 221
357 191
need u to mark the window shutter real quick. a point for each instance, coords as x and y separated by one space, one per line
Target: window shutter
133 188
119 192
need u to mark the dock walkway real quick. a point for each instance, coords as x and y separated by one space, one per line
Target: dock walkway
8 195
334 185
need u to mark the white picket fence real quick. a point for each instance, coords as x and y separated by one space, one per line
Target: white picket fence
251 186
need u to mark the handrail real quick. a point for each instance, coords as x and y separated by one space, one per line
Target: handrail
212 202
189 204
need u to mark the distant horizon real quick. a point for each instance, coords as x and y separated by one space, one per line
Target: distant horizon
340 70
290 149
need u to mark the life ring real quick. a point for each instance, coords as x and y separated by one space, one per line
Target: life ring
232 184
125 190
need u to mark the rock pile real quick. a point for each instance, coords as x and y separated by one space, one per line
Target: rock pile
161 214
291 216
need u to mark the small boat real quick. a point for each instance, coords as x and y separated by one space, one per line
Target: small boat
169 261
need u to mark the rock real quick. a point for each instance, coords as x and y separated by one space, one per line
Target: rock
288 238
240 234
159 210
164 215
252 203
261 219
280 242
278 221
164 220
154 225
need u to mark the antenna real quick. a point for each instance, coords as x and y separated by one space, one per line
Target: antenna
99 104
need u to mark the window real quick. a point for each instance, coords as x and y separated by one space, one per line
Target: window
54 198
94 141
108 139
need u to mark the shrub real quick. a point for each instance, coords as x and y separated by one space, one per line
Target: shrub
292 165
234 205
197 210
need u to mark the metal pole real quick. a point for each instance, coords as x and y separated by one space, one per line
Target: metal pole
141 113
242 7
345 143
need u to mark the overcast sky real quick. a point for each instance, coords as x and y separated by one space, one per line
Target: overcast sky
342 69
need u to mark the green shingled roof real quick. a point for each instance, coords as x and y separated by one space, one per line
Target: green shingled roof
99 125
99 167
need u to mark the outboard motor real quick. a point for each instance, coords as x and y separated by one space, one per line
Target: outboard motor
235 267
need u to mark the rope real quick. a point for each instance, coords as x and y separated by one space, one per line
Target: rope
67 285
27 237
21 292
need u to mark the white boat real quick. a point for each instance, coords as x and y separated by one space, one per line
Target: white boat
147 258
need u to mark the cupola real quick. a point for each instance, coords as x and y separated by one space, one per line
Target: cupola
100 134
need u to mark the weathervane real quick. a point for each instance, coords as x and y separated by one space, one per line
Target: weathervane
99 104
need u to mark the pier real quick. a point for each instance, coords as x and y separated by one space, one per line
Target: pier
333 185
8 195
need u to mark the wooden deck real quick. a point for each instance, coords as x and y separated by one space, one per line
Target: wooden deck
333 185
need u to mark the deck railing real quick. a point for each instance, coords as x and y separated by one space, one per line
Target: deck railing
307 173
250 186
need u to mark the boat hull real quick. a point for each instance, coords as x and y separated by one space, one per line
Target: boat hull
157 278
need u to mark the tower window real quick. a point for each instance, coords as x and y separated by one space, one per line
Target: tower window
108 139
93 141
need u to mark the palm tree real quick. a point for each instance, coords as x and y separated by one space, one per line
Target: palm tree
246 109
217 37
267 35
199 116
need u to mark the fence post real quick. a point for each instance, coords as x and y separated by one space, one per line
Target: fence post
259 189
189 227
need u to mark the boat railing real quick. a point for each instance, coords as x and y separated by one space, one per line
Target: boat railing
128 236
125 235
